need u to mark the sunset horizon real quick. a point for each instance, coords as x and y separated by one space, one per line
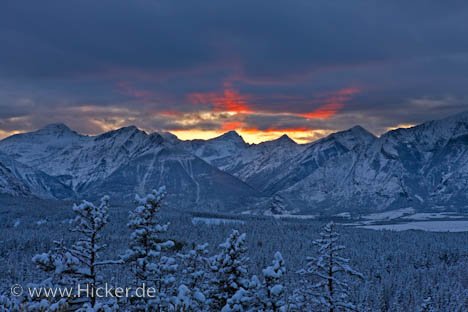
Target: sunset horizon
203 73
233 156
247 135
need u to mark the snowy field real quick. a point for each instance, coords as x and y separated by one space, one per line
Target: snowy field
411 214
431 226
433 215
215 221
389 215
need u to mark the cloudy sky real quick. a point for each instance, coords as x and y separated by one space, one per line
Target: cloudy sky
200 68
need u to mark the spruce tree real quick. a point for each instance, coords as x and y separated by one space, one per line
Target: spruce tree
78 264
272 295
194 277
230 271
146 253
330 273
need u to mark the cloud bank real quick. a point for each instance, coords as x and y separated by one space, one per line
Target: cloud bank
264 68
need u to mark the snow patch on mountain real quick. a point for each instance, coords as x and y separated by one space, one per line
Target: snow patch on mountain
425 166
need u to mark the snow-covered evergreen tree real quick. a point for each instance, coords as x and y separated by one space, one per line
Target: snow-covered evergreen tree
184 300
265 296
230 271
60 266
270 294
242 301
194 277
427 305
330 273
89 223
78 264
150 265
278 206
8 304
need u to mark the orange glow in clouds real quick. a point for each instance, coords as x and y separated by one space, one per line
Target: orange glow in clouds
232 125
255 136
228 101
324 112
224 111
236 107
333 104
300 135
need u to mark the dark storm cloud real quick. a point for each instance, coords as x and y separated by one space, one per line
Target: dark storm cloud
134 59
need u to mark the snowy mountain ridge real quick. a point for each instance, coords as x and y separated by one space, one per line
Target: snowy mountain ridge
421 167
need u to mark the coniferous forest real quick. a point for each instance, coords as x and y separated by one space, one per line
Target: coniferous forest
240 264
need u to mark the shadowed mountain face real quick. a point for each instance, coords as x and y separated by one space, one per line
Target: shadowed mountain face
18 179
126 162
425 166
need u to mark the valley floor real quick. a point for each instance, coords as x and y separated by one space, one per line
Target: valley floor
401 268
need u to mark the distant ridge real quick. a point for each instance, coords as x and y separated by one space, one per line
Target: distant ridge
424 167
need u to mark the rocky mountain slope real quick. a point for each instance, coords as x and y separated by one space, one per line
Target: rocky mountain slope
125 162
421 167
18 179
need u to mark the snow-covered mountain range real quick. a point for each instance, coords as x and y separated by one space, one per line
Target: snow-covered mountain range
421 167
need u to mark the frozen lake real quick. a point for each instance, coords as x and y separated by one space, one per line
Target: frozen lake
431 226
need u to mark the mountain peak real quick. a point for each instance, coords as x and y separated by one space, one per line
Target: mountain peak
170 137
352 138
232 136
56 127
127 130
130 128
231 133
284 139
124 132
58 130
361 131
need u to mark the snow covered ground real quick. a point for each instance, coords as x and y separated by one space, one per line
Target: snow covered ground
344 215
430 226
389 215
294 216
416 258
215 221
432 215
